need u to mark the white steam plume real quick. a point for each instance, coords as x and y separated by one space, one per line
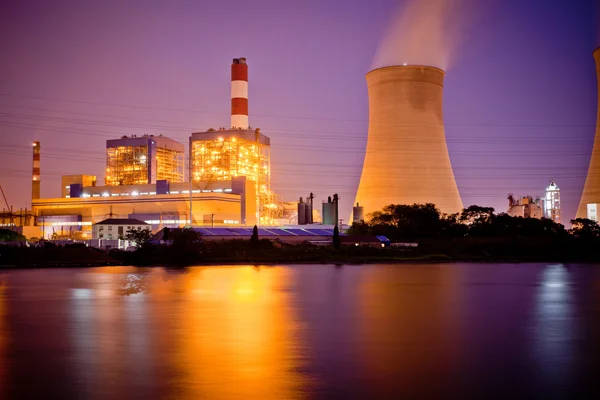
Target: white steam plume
424 32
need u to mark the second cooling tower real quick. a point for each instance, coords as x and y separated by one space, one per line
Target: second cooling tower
407 159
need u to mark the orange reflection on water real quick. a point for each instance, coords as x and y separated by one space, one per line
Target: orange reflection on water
409 327
238 337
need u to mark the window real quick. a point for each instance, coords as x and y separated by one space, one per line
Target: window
101 229
100 236
110 228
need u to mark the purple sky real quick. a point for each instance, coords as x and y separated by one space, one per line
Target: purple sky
519 99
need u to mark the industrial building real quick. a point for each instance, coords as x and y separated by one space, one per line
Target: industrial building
220 155
133 160
161 204
591 189
406 159
526 207
229 179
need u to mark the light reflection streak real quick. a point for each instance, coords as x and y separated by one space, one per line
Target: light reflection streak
239 335
554 330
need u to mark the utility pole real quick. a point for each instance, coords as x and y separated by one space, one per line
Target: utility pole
212 220
257 138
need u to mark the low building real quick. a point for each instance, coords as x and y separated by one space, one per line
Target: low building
117 228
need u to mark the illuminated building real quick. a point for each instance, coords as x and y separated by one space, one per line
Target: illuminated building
591 189
406 159
552 202
225 154
220 155
142 160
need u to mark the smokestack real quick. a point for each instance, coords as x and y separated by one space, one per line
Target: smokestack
239 93
35 177
406 159
591 190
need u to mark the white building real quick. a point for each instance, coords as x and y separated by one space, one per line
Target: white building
552 202
115 228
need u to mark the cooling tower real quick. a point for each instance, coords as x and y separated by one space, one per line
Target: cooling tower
591 190
407 159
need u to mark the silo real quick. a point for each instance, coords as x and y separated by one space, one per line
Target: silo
301 212
358 213
406 159
591 190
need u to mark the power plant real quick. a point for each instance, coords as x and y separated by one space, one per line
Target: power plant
406 158
591 190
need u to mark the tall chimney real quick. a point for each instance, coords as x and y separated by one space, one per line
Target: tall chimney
239 93
591 190
35 177
406 159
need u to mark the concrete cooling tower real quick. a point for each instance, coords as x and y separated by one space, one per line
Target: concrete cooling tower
407 159
591 190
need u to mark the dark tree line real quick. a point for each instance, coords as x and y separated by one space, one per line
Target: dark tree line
424 221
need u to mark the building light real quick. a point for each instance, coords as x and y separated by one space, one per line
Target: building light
105 194
134 193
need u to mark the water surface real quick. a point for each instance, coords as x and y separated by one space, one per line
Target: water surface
302 331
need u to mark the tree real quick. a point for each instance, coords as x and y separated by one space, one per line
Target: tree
584 228
408 222
336 241
139 238
185 239
254 238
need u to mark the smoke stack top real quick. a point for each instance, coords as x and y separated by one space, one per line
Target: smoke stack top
239 93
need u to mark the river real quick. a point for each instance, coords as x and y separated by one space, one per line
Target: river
301 332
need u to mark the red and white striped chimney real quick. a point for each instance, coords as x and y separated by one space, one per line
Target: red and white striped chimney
35 176
239 93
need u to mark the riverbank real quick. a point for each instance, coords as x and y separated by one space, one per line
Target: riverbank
273 253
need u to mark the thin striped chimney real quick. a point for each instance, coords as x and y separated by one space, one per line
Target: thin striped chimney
239 93
35 177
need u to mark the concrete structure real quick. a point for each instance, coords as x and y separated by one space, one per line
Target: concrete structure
82 180
407 159
591 189
35 175
358 213
133 160
330 211
239 94
117 228
161 204
525 207
552 202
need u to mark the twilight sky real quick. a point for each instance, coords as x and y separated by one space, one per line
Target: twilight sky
519 97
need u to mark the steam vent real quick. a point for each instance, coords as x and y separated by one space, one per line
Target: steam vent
407 159
591 190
